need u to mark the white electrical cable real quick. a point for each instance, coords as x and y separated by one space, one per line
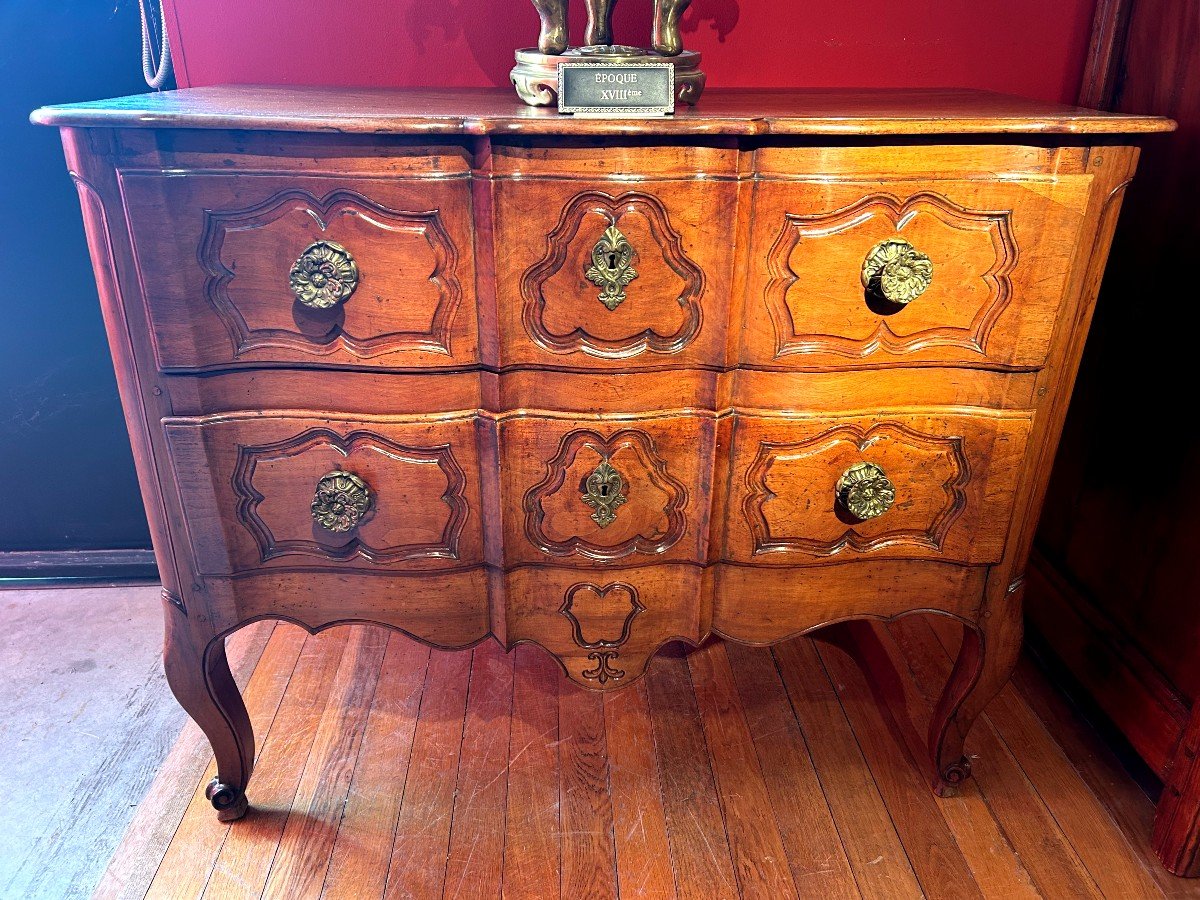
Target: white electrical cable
156 74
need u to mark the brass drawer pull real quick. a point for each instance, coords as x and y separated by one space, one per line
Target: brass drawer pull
324 275
897 271
604 492
340 502
612 267
865 491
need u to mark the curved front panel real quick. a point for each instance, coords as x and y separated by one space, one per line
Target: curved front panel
280 491
611 275
268 269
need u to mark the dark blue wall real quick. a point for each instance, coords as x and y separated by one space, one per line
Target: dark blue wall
65 463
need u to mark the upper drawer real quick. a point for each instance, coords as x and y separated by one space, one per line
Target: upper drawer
910 271
604 274
281 491
253 269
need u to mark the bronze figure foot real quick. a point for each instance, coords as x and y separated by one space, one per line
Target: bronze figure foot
553 16
665 38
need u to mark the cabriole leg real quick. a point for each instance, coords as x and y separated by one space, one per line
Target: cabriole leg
204 687
986 660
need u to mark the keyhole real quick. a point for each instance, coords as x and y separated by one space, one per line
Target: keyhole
604 490
612 260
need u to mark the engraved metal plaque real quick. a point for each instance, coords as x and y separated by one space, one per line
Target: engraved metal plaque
605 89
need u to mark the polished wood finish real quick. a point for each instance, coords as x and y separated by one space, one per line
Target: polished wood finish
548 461
728 771
1116 573
232 307
372 111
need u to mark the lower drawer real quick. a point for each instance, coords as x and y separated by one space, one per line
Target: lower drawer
262 491
907 484
595 491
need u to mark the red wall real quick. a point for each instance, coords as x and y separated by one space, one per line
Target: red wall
1030 47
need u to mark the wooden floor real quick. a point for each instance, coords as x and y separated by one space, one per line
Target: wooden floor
387 769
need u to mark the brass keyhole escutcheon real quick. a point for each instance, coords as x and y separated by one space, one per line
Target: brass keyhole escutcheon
324 275
340 501
865 491
896 271
604 491
611 267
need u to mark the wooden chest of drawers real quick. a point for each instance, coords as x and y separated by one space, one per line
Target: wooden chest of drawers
465 368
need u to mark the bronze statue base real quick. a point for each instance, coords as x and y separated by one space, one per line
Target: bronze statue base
535 76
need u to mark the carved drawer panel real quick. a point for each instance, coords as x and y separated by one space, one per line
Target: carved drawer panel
284 491
604 626
613 275
598 492
908 272
330 271
919 484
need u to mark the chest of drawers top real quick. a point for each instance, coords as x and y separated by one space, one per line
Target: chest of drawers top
831 112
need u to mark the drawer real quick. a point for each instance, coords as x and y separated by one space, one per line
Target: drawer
604 626
603 274
909 271
281 491
260 269
594 491
925 484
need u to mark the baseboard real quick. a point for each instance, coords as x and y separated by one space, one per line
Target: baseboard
91 565
1121 680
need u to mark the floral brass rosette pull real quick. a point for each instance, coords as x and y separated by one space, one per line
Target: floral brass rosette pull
612 267
340 502
897 271
324 275
865 491
604 491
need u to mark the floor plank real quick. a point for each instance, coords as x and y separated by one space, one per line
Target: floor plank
814 847
386 769
639 820
475 867
759 860
699 848
589 862
994 864
929 844
531 827
305 848
86 718
1099 767
359 863
419 853
881 866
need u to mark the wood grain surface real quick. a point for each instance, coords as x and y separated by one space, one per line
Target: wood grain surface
728 772
473 111
598 393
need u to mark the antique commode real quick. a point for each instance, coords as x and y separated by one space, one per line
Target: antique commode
445 362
